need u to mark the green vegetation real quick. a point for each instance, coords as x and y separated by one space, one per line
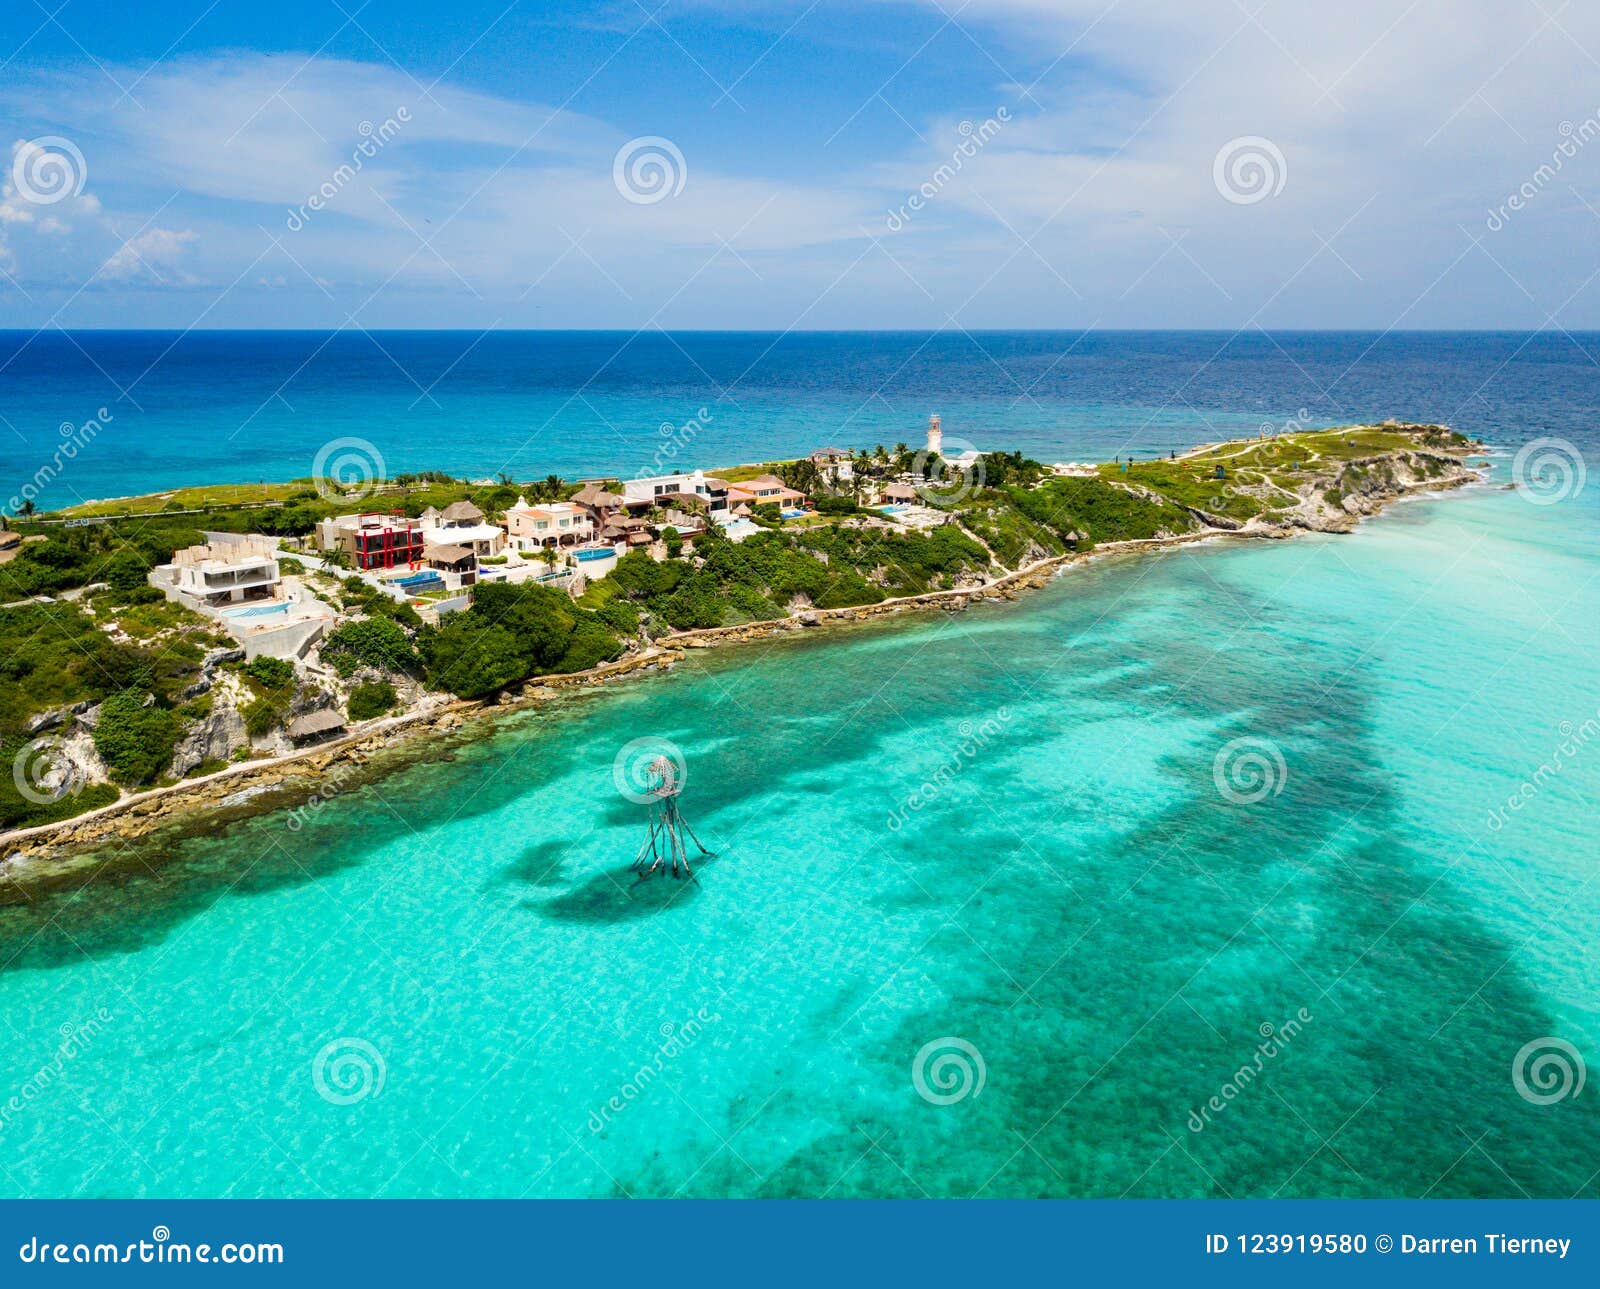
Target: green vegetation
830 566
272 685
356 596
1014 538
125 647
17 811
510 633
1086 512
135 737
53 655
274 673
371 642
744 473
372 699
68 558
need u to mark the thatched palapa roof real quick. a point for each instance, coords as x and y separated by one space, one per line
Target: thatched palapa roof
315 724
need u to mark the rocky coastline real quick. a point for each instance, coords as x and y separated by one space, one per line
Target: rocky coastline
379 746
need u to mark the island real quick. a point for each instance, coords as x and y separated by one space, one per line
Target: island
239 647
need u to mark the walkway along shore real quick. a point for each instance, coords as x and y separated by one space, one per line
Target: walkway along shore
272 783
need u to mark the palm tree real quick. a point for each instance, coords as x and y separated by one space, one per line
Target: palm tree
27 507
554 486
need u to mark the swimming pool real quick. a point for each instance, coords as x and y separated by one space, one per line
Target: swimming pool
257 610
893 510
587 555
793 514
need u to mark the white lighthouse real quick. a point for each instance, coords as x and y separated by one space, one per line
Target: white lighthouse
935 436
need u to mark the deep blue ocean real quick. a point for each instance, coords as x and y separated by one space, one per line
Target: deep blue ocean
985 918
214 407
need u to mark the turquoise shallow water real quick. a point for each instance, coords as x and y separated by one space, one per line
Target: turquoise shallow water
1075 901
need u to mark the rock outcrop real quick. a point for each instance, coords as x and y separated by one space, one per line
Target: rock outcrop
215 738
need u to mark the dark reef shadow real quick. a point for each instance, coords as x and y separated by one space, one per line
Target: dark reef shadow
622 896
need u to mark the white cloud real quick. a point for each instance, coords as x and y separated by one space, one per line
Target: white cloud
1407 121
152 257
1400 128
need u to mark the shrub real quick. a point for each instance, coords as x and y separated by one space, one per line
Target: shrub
510 633
621 616
135 741
274 673
375 642
751 604
262 717
127 571
17 811
591 643
369 700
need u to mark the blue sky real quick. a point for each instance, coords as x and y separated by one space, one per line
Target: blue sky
993 163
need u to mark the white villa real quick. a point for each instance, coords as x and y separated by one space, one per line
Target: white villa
462 524
223 571
834 464
552 523
695 484
235 579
